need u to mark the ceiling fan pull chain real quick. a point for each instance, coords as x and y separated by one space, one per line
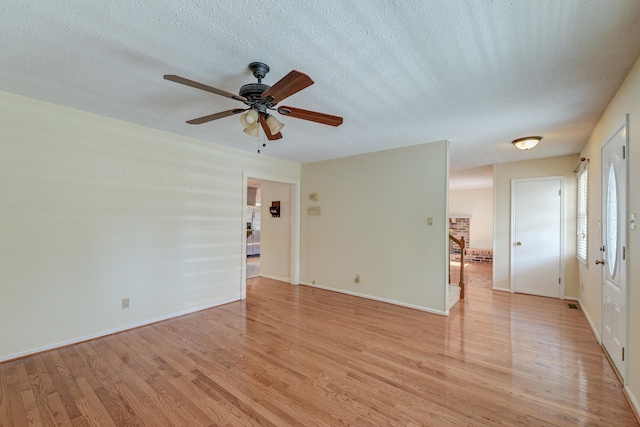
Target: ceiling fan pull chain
261 141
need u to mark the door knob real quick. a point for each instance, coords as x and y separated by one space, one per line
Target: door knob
518 243
600 261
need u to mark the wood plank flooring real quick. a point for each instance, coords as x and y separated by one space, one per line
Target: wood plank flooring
301 356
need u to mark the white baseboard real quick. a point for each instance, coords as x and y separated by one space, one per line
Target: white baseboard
633 402
593 327
21 354
281 279
394 302
501 289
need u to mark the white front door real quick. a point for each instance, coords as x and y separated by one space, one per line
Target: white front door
613 247
536 236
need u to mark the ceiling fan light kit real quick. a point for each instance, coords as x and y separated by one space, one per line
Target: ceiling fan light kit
274 124
250 120
261 99
526 143
252 131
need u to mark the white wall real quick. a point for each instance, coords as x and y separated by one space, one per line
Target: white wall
275 244
479 204
93 210
503 174
374 223
627 100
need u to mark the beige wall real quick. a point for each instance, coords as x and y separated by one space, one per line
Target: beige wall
627 100
94 210
374 222
275 240
503 174
479 204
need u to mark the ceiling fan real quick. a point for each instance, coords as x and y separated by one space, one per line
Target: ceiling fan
261 100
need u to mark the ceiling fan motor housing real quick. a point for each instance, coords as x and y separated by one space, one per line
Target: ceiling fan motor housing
253 91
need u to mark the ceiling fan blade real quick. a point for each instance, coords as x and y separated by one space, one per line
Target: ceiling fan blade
215 116
267 131
202 86
293 82
299 113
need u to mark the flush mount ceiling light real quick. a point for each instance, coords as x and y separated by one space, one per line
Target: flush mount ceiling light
527 142
261 100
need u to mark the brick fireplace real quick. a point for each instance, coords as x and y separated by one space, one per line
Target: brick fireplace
460 226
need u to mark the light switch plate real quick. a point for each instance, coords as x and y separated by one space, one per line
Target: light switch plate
430 220
314 196
633 222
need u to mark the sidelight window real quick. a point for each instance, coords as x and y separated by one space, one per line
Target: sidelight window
581 242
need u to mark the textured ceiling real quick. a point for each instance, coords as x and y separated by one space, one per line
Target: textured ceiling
478 73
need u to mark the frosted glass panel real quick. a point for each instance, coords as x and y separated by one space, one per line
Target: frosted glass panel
612 222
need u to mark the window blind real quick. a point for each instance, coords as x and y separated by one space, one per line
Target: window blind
581 242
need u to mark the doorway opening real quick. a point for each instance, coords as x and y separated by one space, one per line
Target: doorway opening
270 241
254 226
471 219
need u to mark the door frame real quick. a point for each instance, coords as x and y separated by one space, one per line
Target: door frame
512 275
295 226
624 123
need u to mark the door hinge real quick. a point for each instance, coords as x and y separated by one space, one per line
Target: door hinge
559 192
623 354
624 252
624 152
559 280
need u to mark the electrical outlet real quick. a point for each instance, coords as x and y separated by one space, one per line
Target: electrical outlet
313 282
125 302
357 279
430 221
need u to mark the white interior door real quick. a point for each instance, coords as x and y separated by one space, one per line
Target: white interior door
536 231
613 247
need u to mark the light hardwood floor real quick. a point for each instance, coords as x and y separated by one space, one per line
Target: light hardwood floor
308 357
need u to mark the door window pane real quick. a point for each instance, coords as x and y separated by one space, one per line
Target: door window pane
612 222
